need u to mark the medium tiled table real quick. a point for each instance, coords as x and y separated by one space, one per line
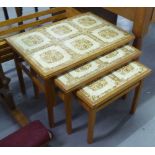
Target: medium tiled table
55 48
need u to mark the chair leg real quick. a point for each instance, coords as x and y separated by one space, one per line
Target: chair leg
36 89
36 10
1 69
136 98
20 75
5 13
68 112
91 123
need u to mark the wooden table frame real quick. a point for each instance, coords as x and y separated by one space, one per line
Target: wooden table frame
47 86
92 112
135 82
66 95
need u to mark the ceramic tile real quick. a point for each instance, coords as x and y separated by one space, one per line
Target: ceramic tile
32 40
51 57
76 36
108 34
111 82
61 30
87 21
82 44
74 77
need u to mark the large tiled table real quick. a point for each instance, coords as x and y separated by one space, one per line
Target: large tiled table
57 47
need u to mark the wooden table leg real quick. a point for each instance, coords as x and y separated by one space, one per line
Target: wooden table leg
20 74
138 43
50 99
68 112
91 123
136 98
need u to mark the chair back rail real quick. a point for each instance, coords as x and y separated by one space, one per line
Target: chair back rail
56 14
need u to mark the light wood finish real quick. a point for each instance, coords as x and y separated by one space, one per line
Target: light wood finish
68 112
153 16
75 62
106 99
6 52
50 100
66 92
141 18
91 124
118 90
95 75
47 86
136 97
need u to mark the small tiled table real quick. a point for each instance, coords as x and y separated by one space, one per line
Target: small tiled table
102 92
55 48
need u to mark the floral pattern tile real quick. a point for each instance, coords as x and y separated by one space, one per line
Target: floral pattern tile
74 77
32 40
51 57
108 34
111 82
87 21
82 44
61 30
80 37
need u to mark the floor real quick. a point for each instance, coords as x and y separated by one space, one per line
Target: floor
114 125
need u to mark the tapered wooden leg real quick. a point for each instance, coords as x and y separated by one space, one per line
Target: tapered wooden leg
36 89
20 75
68 112
50 99
136 98
91 123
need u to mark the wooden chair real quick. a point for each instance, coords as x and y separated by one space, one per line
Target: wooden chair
10 27
7 98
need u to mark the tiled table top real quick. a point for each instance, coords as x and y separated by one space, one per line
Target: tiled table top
107 86
60 46
77 77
